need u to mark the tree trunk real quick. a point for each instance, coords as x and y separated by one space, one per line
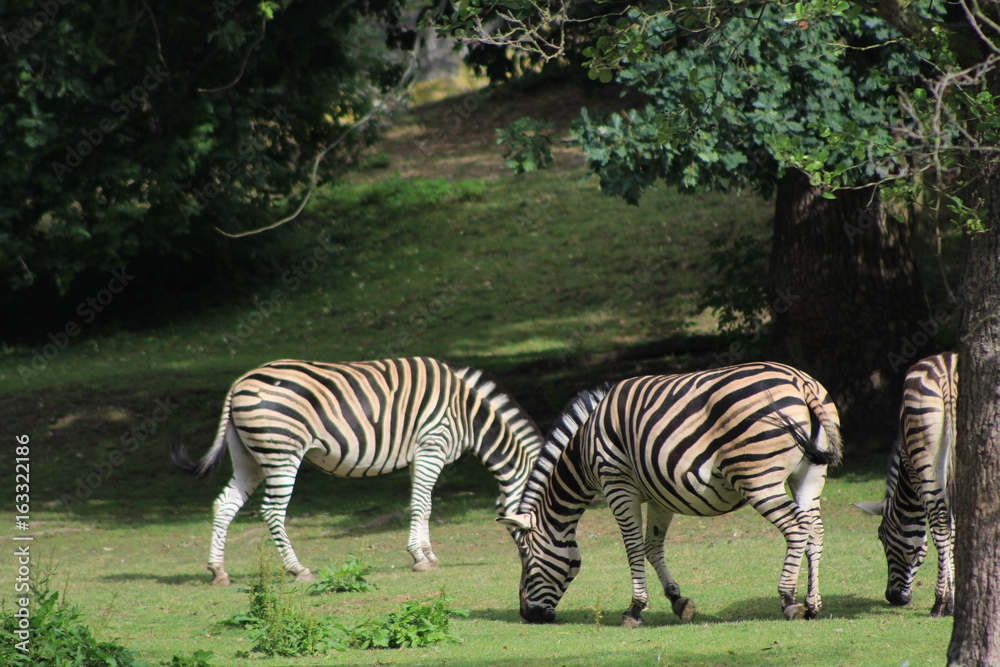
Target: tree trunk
975 638
847 303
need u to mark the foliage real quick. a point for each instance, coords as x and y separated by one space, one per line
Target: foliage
415 624
196 659
350 578
737 295
277 624
134 130
526 146
756 91
57 636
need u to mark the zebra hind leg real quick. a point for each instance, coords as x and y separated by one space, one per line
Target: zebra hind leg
277 493
247 475
942 531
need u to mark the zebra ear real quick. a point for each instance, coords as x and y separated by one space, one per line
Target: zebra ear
517 521
871 507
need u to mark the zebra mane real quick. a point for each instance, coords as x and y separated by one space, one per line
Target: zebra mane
563 429
507 407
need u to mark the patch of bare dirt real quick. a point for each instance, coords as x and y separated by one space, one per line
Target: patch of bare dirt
456 138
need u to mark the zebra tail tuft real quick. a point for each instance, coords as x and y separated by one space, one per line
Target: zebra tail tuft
212 459
825 446
822 446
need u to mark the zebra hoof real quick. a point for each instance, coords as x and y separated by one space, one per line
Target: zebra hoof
795 612
219 576
305 576
425 566
684 608
631 621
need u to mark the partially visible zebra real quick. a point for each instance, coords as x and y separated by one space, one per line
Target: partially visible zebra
919 483
358 420
701 444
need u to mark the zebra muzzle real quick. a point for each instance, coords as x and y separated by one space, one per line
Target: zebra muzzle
898 597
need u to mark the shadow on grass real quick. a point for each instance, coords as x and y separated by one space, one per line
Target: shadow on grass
835 607
170 580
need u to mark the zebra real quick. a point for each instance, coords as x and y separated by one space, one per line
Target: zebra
701 444
361 419
919 484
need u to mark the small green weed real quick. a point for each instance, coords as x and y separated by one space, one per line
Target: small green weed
350 578
278 625
526 146
196 659
56 636
416 624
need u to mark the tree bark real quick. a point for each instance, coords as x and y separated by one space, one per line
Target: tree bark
975 638
847 302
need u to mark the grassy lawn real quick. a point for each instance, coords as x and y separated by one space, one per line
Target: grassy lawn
540 280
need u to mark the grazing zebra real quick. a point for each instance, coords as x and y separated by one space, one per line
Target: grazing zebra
359 420
701 444
918 487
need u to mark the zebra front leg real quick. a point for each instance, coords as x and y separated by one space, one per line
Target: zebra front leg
247 475
627 509
277 492
657 523
424 472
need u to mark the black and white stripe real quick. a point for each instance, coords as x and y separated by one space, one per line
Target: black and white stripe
700 444
358 420
918 486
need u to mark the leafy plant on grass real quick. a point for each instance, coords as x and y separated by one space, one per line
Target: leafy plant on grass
416 624
196 659
57 637
350 578
278 625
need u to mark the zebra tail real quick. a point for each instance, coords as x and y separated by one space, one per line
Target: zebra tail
213 458
824 447
945 464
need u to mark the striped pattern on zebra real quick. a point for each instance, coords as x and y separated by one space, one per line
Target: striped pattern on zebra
358 420
918 486
700 444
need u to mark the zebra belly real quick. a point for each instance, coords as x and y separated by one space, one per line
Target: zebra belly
695 496
329 458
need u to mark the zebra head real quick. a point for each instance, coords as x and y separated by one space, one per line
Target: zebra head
547 567
904 539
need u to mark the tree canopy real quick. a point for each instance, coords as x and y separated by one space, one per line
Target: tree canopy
137 130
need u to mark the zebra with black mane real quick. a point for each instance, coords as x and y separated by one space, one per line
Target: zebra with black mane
358 420
700 444
919 483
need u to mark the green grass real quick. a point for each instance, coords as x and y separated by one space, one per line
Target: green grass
142 582
539 279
